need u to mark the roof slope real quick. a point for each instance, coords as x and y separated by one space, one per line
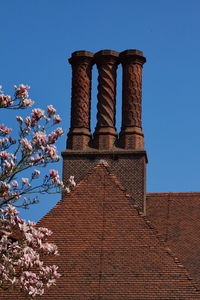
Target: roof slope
109 251
176 217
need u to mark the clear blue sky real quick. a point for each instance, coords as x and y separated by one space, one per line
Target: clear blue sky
37 37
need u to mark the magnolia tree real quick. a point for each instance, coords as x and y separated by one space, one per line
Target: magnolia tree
23 244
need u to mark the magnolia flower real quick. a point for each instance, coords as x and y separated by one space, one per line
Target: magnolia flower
5 154
28 121
4 186
51 110
56 119
22 91
27 102
27 145
25 180
36 173
51 151
53 136
5 101
59 131
4 130
53 173
19 119
71 181
40 138
37 114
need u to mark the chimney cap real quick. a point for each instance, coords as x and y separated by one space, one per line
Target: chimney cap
81 55
133 54
106 52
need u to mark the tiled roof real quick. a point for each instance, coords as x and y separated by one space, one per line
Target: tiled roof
176 218
108 250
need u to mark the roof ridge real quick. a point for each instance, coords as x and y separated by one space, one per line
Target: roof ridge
173 193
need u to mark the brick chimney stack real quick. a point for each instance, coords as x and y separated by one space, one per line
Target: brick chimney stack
125 152
131 135
79 134
105 133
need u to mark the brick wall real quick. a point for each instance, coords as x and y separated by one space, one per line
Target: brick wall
128 166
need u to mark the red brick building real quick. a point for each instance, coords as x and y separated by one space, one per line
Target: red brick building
115 240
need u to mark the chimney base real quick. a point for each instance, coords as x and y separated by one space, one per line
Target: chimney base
78 139
105 138
131 138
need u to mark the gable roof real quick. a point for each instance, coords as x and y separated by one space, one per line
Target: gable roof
108 250
176 218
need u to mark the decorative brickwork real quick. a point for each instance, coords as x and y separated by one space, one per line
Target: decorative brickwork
105 132
131 136
128 166
79 134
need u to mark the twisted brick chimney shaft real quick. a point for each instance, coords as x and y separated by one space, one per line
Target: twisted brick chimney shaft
79 134
131 135
105 136
105 133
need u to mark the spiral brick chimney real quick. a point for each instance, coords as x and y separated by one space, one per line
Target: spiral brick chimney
124 152
105 133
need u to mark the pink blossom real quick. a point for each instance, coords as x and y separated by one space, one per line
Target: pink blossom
5 186
27 145
51 110
25 180
55 178
22 91
27 102
14 183
53 136
5 101
3 141
37 114
7 165
51 151
36 174
67 189
71 181
53 173
19 119
59 131
4 130
56 119
28 121
40 138
5 154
